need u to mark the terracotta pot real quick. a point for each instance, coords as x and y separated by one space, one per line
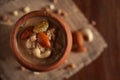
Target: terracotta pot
25 62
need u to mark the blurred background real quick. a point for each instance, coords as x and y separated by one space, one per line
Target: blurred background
106 13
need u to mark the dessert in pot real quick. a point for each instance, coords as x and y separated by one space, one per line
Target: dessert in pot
40 41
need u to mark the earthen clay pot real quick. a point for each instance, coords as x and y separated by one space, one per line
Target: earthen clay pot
26 62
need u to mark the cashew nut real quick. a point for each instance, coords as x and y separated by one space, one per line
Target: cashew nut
45 54
88 34
52 6
28 44
37 53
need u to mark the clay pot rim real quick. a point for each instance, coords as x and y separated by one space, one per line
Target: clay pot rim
16 52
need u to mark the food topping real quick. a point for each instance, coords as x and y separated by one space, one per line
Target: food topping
33 38
41 27
38 39
43 39
51 34
27 32
37 52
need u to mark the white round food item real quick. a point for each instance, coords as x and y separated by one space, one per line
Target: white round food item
37 52
15 13
33 38
28 43
46 54
33 45
88 34
42 49
36 73
26 9
50 34
52 6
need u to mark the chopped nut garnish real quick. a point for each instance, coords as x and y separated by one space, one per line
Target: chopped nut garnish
33 44
38 39
22 68
36 73
26 9
59 11
45 54
51 33
52 6
37 52
64 13
15 13
42 49
28 44
41 27
33 38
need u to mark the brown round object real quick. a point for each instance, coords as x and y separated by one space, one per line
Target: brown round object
80 49
78 38
25 62
78 42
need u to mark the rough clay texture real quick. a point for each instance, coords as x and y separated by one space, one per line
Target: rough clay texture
9 68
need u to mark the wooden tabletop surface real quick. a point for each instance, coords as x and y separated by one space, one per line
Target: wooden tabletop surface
106 13
77 18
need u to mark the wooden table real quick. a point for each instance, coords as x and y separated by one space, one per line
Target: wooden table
106 13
